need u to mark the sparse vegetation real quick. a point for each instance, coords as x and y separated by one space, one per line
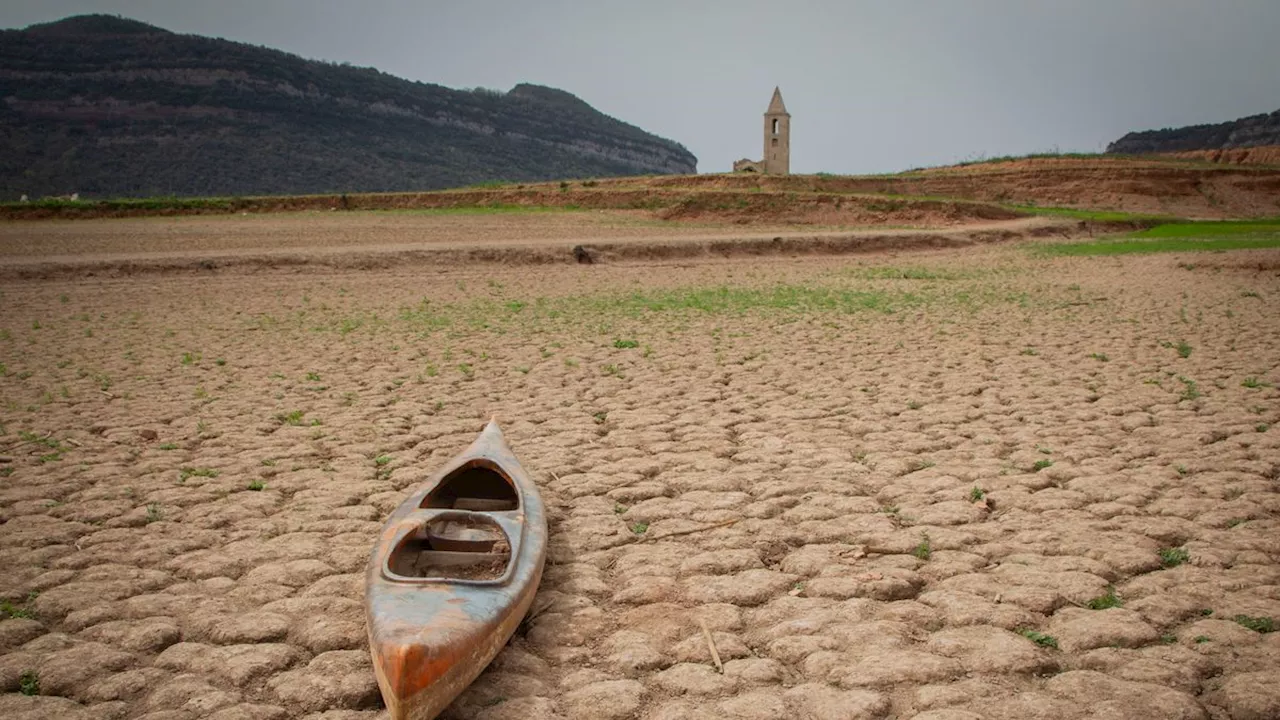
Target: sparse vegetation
1178 237
1040 638
1104 602
924 550
9 610
1257 624
29 683
1173 557
977 494
1039 465
184 473
1190 391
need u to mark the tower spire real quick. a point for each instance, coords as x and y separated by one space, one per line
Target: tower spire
776 106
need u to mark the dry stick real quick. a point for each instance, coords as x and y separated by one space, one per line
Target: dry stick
690 531
17 445
711 643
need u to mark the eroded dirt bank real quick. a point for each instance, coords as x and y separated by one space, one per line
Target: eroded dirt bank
365 241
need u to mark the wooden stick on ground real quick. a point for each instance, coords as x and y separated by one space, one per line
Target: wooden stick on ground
711 644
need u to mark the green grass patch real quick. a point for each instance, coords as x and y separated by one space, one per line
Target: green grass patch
1204 236
1040 638
924 550
9 610
29 683
1173 557
481 209
735 300
1095 215
1135 246
1211 228
1103 602
902 273
835 294
1257 624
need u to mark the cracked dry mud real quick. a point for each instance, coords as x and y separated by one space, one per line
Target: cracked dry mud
922 468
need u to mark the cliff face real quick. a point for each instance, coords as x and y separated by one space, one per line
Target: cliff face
107 106
1253 131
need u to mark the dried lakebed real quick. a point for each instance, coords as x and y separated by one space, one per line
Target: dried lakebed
945 485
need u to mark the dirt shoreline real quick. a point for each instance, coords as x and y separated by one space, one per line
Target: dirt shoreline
537 251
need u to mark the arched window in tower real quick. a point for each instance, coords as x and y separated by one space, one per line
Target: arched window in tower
775 126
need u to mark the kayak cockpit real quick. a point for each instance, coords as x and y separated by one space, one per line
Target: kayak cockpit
477 485
465 529
468 546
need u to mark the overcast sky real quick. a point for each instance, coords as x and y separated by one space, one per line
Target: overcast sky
871 86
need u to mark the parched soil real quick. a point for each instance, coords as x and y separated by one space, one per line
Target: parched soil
943 484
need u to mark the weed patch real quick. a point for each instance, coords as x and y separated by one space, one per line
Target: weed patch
1257 624
1103 602
1040 638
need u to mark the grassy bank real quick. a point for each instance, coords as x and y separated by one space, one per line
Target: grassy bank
1206 236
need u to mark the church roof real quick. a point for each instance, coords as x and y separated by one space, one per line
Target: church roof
776 106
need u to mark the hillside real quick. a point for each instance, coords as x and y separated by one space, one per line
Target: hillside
106 106
1253 131
1087 187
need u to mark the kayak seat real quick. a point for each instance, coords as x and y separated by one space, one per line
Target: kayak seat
474 548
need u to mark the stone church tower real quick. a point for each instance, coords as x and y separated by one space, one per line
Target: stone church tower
777 141
777 137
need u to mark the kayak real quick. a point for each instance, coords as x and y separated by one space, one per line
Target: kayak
452 575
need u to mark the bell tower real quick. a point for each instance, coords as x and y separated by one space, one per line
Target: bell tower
777 137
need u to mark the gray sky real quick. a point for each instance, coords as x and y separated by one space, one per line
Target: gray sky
871 86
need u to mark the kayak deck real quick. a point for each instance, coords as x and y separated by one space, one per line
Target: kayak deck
452 575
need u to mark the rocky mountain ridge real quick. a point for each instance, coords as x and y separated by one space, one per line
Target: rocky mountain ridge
107 106
1252 131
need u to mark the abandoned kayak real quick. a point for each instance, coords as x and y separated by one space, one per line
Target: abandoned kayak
453 573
